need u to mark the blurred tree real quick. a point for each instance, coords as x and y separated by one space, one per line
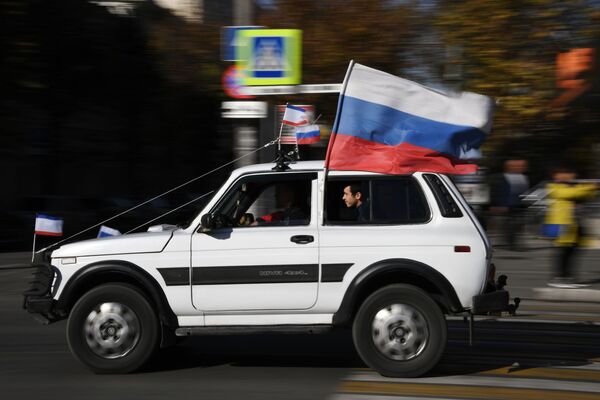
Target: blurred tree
187 52
509 51
337 31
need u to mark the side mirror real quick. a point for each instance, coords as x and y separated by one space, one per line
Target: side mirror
207 222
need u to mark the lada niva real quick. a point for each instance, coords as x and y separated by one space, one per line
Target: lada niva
293 250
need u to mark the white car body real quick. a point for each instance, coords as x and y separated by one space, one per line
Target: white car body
431 243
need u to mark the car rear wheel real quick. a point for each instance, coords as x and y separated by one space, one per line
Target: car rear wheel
400 331
113 329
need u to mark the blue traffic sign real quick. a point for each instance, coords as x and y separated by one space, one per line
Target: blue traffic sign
229 41
268 57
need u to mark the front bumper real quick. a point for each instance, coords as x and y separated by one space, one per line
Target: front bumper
38 297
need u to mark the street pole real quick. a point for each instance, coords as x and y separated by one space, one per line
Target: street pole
245 134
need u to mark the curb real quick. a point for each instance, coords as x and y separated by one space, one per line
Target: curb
580 295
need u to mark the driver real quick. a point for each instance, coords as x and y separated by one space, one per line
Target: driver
288 209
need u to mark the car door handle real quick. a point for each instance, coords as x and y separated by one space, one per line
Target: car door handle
302 239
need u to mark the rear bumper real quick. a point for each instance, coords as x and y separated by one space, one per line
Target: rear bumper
495 299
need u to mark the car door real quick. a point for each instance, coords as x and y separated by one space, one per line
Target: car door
396 224
255 259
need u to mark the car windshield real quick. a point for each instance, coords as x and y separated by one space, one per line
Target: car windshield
188 214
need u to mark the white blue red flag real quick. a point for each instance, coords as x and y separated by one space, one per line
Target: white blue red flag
391 125
308 134
47 225
295 116
105 231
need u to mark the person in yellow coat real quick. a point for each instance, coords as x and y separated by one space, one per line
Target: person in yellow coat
562 221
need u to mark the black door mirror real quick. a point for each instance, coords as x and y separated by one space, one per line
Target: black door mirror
207 222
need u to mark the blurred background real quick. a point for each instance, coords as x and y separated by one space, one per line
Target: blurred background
105 104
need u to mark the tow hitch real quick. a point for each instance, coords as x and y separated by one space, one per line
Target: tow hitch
494 302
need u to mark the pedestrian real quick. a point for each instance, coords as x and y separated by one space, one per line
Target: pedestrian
506 203
562 222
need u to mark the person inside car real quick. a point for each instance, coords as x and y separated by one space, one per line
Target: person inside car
353 197
289 211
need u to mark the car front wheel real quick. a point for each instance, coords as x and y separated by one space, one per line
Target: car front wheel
400 331
113 329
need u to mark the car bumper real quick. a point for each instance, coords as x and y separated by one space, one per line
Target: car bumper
37 299
495 299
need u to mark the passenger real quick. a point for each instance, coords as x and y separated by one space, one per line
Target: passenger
353 197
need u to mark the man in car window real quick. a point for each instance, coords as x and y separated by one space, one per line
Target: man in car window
353 197
289 211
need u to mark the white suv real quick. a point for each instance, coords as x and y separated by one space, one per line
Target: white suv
280 251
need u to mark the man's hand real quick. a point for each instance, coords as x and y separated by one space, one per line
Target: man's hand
247 219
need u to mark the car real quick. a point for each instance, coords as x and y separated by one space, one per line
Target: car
279 250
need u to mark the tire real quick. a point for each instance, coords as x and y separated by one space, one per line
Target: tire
113 329
399 331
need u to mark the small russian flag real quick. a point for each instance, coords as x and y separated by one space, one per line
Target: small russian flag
295 116
105 231
47 225
308 134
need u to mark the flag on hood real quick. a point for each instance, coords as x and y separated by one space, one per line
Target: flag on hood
105 231
47 225
391 125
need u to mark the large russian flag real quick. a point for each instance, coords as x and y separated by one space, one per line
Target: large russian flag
391 125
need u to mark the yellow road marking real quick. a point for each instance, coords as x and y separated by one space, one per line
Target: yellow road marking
456 391
546 373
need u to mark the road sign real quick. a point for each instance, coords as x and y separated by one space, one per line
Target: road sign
229 40
291 89
231 81
244 109
270 56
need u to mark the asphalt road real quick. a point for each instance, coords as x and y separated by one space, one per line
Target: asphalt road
550 351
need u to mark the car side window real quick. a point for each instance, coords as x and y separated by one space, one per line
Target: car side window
376 200
398 201
268 200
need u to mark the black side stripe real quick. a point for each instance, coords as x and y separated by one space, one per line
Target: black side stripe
234 275
175 276
334 272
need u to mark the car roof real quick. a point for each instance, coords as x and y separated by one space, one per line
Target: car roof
294 166
297 166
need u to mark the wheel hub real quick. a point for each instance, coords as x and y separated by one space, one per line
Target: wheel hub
399 332
112 330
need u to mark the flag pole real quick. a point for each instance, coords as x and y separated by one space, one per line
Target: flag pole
337 119
332 136
280 132
33 250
